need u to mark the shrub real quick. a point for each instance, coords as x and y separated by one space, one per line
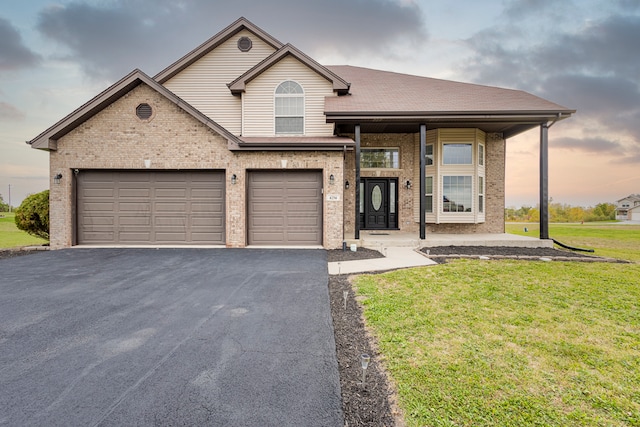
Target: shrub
33 215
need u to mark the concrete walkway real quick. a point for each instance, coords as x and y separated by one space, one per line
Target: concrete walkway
396 257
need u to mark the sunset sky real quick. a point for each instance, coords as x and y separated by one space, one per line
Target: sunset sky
584 55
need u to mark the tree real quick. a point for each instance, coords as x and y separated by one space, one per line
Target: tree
4 207
33 215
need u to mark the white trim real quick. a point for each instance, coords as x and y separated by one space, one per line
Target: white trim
288 95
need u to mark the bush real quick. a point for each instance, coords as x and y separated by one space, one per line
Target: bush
33 215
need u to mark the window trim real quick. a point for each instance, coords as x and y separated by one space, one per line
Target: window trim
277 95
428 194
432 158
481 190
471 201
365 149
481 154
469 144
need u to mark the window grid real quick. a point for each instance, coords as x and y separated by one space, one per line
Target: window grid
480 155
429 152
289 108
428 186
384 158
456 193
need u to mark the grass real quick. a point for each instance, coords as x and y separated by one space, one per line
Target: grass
513 343
608 239
11 237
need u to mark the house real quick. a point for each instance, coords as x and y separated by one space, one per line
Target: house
628 209
249 141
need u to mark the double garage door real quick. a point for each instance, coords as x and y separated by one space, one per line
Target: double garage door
140 207
176 207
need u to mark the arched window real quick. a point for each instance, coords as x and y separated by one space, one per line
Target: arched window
289 109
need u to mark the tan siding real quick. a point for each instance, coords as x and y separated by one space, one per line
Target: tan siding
258 99
204 83
432 138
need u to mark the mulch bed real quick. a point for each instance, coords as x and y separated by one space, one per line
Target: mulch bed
335 255
371 405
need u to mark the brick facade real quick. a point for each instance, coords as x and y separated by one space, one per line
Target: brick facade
172 139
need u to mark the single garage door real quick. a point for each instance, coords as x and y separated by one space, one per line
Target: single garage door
285 208
142 207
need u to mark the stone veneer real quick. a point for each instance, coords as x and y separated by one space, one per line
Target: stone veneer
172 139
494 182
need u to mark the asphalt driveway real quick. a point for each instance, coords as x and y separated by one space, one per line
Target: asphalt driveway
233 337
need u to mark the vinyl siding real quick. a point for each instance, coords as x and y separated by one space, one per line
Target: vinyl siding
204 83
258 99
437 137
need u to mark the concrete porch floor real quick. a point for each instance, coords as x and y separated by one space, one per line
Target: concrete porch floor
389 238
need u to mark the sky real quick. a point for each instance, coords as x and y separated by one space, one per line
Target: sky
582 54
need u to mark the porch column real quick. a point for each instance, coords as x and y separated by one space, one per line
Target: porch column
357 204
423 165
544 181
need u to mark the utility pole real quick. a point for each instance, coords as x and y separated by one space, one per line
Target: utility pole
9 198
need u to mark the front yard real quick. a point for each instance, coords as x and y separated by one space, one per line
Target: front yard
510 342
514 343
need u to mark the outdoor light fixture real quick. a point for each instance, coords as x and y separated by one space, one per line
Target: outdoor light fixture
57 178
364 363
332 179
234 179
346 185
408 185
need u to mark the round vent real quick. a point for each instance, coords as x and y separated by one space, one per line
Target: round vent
144 111
244 44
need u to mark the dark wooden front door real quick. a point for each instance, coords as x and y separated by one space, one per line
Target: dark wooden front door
380 203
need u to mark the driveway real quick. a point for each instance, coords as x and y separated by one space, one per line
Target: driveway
232 337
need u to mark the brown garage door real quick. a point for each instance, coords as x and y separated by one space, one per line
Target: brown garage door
285 208
140 207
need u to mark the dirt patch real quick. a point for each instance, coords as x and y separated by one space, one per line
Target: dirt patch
371 405
11 253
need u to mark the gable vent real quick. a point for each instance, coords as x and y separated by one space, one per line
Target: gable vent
244 44
144 111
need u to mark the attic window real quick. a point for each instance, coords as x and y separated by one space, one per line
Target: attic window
244 44
144 111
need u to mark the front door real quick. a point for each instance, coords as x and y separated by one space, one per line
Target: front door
380 196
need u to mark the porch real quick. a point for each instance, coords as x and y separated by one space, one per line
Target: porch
379 240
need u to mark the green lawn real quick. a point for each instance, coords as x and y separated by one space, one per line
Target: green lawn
11 237
513 343
608 239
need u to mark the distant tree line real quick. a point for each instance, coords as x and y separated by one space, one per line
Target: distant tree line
561 212
4 207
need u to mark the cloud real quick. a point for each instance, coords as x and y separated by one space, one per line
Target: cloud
9 113
13 53
147 34
590 145
586 62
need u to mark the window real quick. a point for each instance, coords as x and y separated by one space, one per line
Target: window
380 158
457 154
289 107
456 193
480 155
429 157
480 194
428 189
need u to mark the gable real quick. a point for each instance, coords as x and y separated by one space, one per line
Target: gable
258 98
203 84
47 140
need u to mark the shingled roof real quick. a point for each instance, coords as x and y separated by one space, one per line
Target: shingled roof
382 95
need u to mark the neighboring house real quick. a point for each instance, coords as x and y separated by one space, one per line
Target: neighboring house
628 209
249 141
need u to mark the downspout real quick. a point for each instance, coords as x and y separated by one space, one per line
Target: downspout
357 183
423 172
